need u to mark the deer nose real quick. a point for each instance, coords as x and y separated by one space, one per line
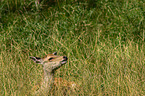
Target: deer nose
65 58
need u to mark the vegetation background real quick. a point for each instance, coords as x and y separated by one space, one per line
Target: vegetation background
103 39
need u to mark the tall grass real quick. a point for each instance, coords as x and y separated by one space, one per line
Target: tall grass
104 44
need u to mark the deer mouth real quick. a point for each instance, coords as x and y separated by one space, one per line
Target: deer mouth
64 60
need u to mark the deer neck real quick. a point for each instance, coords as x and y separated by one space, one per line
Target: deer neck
48 81
48 77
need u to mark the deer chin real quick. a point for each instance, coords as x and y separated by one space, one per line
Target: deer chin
63 61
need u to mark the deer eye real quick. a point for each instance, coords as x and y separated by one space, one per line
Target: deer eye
50 58
38 58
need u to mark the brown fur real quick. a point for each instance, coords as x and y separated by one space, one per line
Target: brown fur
51 63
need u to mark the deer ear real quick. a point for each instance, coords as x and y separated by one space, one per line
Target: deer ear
36 59
55 53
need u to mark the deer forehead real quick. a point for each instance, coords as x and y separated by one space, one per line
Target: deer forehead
52 57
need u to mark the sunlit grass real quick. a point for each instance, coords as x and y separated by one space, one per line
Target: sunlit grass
105 48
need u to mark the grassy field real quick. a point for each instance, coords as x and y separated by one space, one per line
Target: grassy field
104 41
